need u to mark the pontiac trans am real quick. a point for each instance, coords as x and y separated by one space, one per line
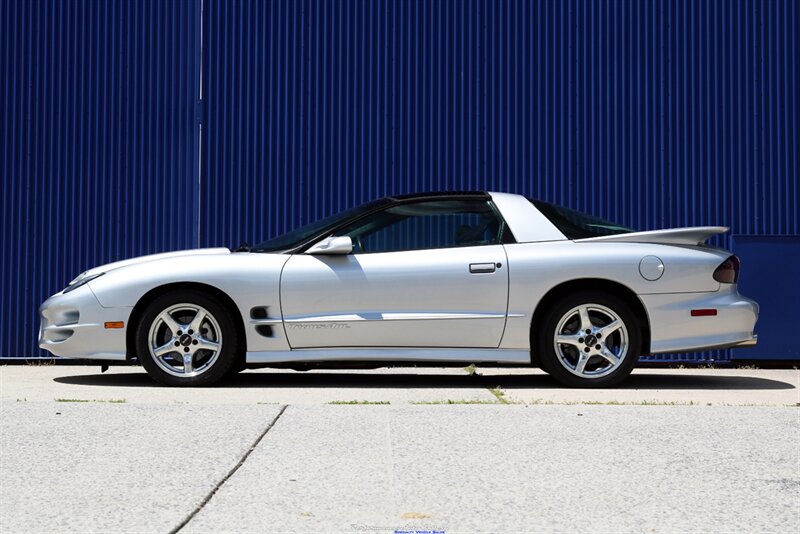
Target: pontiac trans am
451 278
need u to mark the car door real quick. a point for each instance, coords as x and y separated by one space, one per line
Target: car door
421 274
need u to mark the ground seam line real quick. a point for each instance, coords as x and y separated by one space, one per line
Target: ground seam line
235 468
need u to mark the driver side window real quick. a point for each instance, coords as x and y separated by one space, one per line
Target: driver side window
426 225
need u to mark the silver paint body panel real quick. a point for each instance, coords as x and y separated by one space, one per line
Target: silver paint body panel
418 298
676 236
423 305
385 354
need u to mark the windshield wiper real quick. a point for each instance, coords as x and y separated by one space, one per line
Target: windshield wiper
244 247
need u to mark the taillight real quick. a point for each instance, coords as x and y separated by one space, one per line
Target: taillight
728 271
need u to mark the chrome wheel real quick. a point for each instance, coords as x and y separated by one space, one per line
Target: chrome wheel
185 340
591 341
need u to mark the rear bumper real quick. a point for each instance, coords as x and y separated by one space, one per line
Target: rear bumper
72 326
674 329
752 342
747 343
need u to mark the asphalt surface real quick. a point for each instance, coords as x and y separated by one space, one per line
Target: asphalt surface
677 450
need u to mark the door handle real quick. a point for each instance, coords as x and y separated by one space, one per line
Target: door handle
478 268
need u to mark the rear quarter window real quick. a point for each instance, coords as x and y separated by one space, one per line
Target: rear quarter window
577 225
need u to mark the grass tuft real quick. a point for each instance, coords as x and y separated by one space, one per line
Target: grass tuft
451 401
543 402
109 401
499 394
350 402
40 362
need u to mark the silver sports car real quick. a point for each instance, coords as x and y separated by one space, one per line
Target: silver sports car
451 278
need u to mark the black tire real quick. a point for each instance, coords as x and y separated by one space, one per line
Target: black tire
608 374
218 363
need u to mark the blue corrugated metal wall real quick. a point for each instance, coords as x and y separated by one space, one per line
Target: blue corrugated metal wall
653 114
650 113
98 155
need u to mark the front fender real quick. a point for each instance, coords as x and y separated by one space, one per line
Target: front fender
251 280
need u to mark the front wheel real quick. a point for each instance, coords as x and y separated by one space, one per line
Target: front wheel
589 340
186 338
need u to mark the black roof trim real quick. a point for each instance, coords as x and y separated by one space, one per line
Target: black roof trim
441 194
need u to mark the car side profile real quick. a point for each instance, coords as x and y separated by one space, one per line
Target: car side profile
446 278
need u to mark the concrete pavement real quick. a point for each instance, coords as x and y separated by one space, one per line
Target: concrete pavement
101 467
516 468
692 450
769 387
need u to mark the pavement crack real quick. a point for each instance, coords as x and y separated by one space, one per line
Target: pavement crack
230 473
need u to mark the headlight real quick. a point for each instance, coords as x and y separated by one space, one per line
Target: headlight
80 281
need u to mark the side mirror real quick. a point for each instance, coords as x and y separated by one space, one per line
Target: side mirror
333 245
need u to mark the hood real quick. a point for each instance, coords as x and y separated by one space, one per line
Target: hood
152 257
696 235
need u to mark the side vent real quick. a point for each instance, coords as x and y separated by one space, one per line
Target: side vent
262 321
265 330
259 312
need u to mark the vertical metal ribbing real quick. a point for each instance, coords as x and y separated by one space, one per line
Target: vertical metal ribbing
96 157
652 114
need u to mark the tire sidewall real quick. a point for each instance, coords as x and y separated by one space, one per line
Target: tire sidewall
547 354
226 357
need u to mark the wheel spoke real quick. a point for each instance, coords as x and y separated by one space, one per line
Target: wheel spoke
197 321
610 328
580 366
188 366
207 344
591 340
610 356
586 323
171 323
569 339
166 348
176 353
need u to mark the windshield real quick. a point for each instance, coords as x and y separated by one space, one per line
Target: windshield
576 225
297 237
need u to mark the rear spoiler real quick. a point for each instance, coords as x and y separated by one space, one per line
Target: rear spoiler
677 236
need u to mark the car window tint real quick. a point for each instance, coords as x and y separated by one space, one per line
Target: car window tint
426 225
577 225
299 235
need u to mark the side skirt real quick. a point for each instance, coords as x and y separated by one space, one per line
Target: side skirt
379 354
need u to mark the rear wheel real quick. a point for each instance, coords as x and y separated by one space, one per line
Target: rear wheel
186 338
589 340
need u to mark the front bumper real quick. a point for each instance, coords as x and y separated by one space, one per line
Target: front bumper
73 326
673 329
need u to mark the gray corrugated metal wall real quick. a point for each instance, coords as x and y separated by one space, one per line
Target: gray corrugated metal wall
653 114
